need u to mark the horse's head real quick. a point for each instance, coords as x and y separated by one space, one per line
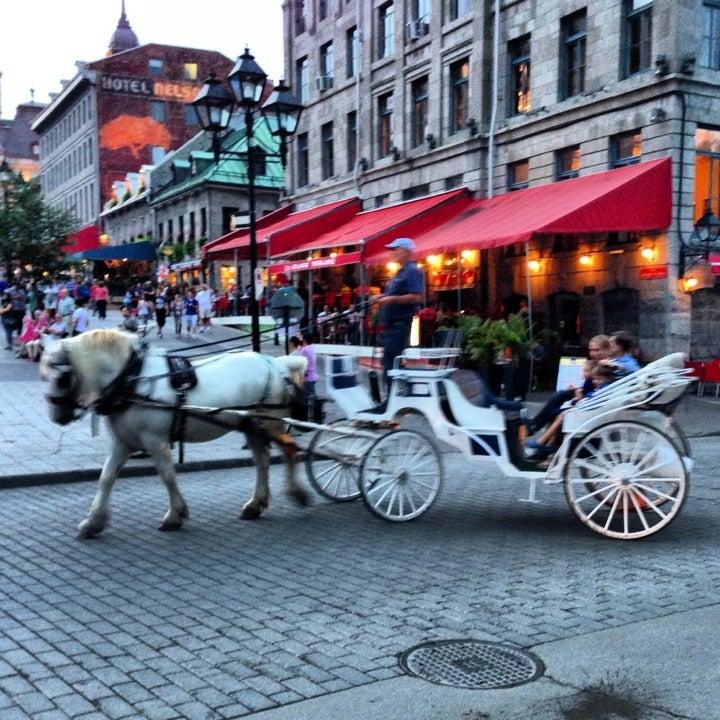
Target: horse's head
63 396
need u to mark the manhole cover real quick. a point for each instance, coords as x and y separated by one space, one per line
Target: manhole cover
471 664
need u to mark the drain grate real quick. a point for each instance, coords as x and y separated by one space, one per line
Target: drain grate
473 664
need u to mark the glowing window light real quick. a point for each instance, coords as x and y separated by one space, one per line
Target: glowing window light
534 265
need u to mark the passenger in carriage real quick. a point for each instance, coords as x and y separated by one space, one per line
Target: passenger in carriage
599 349
623 355
599 376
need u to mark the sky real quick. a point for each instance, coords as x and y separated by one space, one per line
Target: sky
40 40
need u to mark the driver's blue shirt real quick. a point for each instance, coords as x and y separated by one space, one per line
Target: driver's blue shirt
407 281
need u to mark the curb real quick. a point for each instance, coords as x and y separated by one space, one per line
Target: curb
10 482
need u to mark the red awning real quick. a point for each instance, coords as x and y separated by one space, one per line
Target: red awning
316 263
284 230
375 228
87 238
633 198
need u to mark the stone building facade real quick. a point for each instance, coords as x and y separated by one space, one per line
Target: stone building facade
18 143
122 111
400 101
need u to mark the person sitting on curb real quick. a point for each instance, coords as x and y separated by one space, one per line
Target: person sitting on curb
129 322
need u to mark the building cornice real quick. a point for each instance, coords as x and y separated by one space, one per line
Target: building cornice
81 80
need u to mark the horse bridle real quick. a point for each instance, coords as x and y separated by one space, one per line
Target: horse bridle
64 386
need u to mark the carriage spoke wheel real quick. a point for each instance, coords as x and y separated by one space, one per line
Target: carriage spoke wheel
401 475
625 480
333 462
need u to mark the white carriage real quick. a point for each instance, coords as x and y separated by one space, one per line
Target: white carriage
623 462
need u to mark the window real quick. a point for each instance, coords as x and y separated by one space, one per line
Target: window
416 191
352 52
626 149
419 115
300 21
710 46
190 115
386 30
190 71
302 81
328 150
457 8
181 228
203 222
324 8
170 231
567 163
454 181
519 57
351 140
637 36
327 64
518 175
421 10
381 200
303 164
155 67
384 128
459 74
157 110
573 39
259 161
157 154
707 172
192 225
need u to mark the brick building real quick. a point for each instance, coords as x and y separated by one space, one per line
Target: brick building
116 114
401 100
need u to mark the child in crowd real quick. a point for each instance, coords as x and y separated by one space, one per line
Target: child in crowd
176 308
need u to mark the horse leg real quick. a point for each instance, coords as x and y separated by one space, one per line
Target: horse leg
178 511
292 488
260 499
97 519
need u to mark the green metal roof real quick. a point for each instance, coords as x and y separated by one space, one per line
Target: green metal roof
233 171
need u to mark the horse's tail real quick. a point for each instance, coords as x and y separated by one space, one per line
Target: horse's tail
295 366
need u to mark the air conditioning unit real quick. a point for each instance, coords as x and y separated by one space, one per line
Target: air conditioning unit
323 82
417 29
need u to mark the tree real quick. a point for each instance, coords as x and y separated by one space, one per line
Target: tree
31 231
134 133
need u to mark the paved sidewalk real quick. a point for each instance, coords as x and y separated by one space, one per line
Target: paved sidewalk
31 444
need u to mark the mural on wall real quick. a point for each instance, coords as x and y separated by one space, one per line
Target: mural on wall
134 133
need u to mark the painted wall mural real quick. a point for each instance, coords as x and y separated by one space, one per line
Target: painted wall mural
134 133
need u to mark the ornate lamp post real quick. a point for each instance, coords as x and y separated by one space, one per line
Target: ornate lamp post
214 105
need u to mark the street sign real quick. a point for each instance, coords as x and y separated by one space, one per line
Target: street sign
653 272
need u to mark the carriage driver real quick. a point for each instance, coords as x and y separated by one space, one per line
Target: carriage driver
400 301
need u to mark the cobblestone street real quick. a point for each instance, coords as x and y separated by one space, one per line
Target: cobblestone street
228 617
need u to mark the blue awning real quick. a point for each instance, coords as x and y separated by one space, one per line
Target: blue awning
131 251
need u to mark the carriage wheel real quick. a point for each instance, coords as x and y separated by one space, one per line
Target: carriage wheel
625 480
333 462
401 475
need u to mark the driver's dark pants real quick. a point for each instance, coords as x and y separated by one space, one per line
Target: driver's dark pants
395 339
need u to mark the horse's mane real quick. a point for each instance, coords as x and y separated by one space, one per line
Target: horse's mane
98 356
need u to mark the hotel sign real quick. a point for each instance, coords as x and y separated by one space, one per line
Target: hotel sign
144 87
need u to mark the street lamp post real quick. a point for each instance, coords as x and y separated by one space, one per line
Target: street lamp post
214 106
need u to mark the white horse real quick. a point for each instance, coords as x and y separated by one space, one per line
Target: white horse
98 369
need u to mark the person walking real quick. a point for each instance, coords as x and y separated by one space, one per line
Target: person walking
65 308
190 306
399 302
176 308
161 309
7 318
204 300
80 318
101 299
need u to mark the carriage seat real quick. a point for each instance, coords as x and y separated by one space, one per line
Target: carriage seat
476 390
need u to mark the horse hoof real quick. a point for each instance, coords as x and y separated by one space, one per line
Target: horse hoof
251 512
170 525
184 512
89 529
300 497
